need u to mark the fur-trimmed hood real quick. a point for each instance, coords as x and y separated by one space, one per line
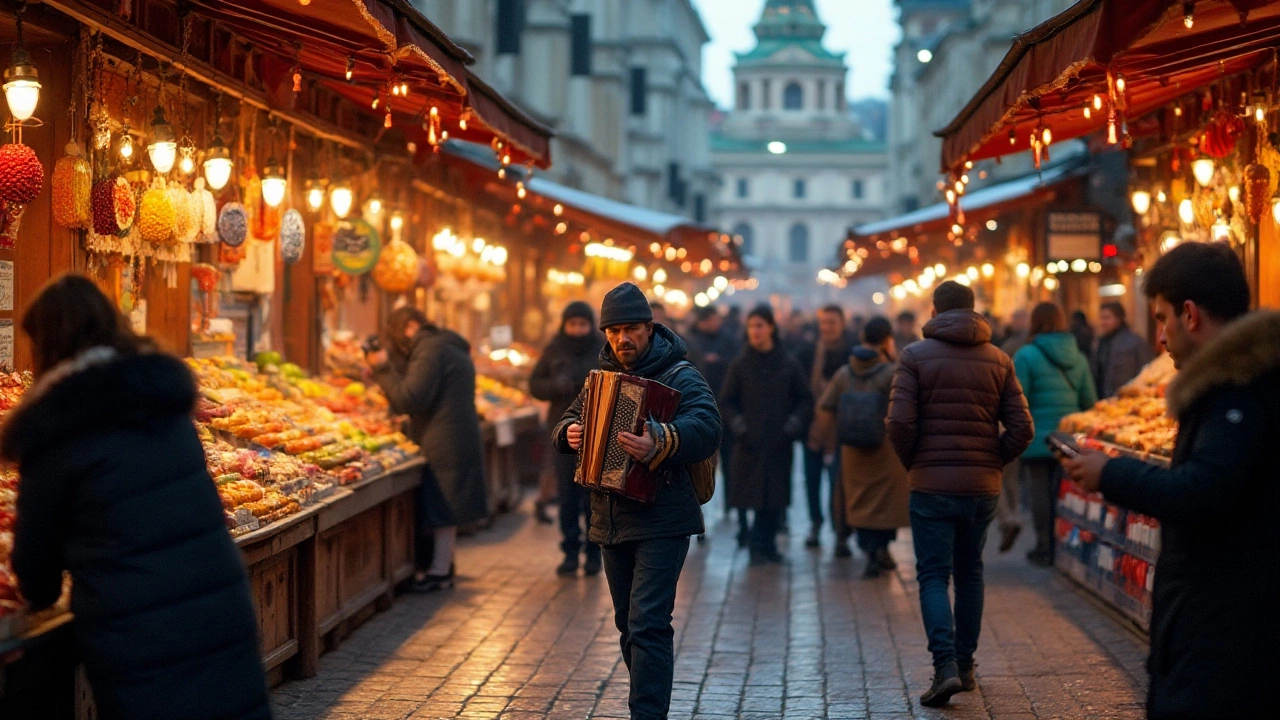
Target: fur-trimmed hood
98 389
1246 350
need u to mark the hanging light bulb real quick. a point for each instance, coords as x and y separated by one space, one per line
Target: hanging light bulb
274 183
1203 169
21 80
1141 201
1186 213
1188 14
374 205
315 194
341 199
217 164
351 68
1275 208
1097 102
1046 137
1220 230
126 145
1088 112
163 149
397 221
187 158
1120 83
1161 197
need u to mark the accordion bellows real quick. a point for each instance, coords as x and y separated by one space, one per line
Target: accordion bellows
615 403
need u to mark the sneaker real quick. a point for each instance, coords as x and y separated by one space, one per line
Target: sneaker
1009 536
873 570
813 540
886 560
968 677
946 683
843 550
1041 558
569 566
592 566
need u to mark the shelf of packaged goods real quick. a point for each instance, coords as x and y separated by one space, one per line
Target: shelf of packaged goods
1110 537
1110 594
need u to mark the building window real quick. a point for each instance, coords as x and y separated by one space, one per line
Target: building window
639 91
700 207
798 243
839 96
744 96
822 94
510 26
857 190
743 230
766 99
799 189
793 96
744 187
580 45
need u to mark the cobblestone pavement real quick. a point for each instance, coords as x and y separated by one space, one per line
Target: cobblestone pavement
807 640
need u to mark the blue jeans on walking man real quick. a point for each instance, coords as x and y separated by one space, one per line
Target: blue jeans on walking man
950 532
814 466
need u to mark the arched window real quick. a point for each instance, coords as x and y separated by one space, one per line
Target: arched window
793 96
744 96
798 243
743 230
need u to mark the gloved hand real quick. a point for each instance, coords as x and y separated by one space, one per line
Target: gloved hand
738 425
793 428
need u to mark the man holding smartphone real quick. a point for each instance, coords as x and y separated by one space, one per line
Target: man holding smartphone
1215 625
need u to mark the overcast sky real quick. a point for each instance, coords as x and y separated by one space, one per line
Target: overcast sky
865 29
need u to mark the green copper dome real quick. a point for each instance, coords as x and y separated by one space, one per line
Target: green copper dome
785 24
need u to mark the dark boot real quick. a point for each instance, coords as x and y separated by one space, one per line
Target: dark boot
946 683
873 570
540 512
814 540
1009 536
968 677
885 560
569 566
592 566
842 548
1041 558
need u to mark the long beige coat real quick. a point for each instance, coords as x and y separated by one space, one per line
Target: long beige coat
876 489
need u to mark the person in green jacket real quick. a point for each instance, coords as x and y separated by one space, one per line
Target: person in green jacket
1055 377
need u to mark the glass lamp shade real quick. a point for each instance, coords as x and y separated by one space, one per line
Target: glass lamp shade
1275 209
274 183
397 221
1186 212
374 206
163 155
22 94
217 172
340 200
1203 170
1141 201
315 197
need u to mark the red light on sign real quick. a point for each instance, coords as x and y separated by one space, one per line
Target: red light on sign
1110 251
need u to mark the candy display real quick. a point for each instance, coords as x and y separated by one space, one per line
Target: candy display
21 174
156 215
1137 420
72 182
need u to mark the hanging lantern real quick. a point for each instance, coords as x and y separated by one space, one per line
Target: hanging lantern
374 205
217 164
1202 169
21 80
233 224
72 183
1141 200
274 183
293 236
1186 213
163 149
341 199
397 268
315 194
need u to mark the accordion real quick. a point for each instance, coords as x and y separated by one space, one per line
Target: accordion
615 403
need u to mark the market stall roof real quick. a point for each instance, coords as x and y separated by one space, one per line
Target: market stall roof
622 221
1055 69
384 43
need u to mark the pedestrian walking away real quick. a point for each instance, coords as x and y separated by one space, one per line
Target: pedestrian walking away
557 379
115 490
951 394
821 360
1055 377
1214 626
767 404
645 544
852 413
427 373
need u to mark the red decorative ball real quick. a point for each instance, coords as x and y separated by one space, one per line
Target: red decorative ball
21 174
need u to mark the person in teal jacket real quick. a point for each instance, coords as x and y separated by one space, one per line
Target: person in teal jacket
1056 379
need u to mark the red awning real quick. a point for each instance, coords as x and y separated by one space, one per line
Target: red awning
385 42
1055 69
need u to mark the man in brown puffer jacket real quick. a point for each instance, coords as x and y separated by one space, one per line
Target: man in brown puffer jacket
951 393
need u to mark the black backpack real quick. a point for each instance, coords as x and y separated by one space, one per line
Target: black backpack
860 416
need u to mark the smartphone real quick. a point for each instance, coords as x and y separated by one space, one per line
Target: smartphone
1063 445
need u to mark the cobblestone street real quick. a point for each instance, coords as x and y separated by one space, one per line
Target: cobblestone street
807 640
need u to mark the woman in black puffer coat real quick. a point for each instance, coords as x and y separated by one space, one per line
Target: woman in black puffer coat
115 490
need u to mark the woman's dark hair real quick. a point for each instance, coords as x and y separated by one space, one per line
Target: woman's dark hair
71 315
1208 274
765 313
876 331
1047 318
393 337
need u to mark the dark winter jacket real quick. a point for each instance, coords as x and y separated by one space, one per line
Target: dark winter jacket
833 358
1214 624
695 436
115 490
562 369
1056 380
1118 359
718 349
766 397
436 387
950 394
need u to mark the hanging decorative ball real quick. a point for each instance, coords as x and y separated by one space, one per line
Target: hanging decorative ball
208 213
233 224
156 216
206 276
1220 135
21 174
1257 195
72 184
112 205
397 268
293 236
186 220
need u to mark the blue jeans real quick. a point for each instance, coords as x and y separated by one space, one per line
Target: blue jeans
642 580
813 469
575 506
949 533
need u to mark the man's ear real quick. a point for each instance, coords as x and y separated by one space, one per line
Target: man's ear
1191 311
934 313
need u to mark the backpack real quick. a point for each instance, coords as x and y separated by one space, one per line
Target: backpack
860 415
703 473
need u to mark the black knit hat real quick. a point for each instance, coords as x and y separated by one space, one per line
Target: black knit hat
578 309
624 305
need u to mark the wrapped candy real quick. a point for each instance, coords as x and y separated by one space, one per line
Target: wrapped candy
293 236
233 224
397 268
72 183
1257 191
156 215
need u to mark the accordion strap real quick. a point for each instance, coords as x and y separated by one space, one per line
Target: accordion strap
671 372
